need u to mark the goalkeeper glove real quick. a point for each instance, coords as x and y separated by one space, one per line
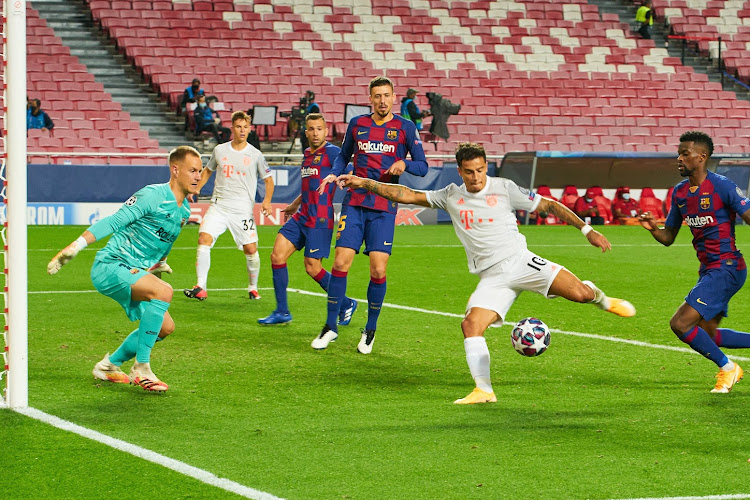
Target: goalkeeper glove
160 267
66 255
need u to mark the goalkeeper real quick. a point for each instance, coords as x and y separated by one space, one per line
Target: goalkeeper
129 267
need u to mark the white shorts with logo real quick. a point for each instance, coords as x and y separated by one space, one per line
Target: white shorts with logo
242 226
500 284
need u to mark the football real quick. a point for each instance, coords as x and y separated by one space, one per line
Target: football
530 337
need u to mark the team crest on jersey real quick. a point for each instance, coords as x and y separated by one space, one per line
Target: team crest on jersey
134 271
705 203
492 200
317 159
131 201
392 134
246 160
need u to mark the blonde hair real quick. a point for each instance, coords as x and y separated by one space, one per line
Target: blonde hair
179 154
240 115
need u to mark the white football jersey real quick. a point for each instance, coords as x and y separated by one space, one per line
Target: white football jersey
485 222
237 174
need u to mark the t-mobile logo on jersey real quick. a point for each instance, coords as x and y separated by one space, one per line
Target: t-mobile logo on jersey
467 218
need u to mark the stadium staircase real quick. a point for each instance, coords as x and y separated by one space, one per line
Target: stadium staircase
71 21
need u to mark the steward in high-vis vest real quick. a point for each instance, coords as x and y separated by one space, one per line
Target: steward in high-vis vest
645 16
409 109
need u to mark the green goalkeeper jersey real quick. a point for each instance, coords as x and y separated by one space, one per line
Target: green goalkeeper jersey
144 228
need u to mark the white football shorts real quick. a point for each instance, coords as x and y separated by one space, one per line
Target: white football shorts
217 221
499 285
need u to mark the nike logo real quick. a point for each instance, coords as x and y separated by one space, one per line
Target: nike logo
387 244
701 302
361 132
313 251
680 206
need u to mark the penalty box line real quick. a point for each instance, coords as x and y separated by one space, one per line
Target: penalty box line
170 463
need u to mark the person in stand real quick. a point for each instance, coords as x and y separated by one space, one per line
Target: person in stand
206 119
645 16
709 203
587 209
410 110
624 205
36 118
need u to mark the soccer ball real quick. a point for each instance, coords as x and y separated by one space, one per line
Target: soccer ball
530 337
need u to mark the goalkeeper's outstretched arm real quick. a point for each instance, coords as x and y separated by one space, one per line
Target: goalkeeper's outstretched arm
66 254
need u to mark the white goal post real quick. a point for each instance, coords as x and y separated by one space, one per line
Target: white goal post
15 307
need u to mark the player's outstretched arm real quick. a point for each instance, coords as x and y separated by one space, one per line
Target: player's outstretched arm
69 252
664 235
393 192
566 215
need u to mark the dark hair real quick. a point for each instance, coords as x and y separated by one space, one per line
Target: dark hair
38 103
701 138
179 154
315 116
379 81
468 151
195 80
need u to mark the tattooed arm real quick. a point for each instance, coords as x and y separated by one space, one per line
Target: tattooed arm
569 217
393 192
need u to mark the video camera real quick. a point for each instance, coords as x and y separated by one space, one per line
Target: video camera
298 112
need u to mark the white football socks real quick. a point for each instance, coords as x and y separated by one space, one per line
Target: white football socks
478 359
202 264
253 269
600 300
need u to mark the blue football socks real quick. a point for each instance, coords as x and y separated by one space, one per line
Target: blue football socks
732 339
336 295
280 284
375 297
701 342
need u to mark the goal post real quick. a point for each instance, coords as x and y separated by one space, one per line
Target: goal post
15 307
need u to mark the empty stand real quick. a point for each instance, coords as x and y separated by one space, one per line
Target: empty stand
78 105
529 74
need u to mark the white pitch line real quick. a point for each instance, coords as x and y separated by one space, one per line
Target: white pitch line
231 486
157 458
709 497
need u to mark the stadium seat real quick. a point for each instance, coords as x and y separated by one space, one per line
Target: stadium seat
569 196
650 203
550 219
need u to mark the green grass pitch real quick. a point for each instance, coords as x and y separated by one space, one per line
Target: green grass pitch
591 418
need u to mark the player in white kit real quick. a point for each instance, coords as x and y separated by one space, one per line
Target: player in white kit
238 166
483 214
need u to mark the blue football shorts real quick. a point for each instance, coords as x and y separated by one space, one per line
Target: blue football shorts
373 227
316 241
113 279
710 296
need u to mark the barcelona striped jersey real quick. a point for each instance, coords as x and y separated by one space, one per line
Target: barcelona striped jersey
710 212
375 148
316 209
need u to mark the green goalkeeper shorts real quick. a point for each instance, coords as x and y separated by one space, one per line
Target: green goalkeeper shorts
113 279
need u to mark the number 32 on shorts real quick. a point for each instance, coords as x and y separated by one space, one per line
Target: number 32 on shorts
248 224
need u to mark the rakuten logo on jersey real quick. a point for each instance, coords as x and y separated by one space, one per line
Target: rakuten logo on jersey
698 221
375 147
309 171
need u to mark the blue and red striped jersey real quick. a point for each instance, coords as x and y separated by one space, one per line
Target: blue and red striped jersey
375 148
710 212
316 210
